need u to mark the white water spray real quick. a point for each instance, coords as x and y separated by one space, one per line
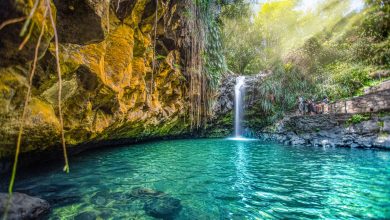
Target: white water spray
238 96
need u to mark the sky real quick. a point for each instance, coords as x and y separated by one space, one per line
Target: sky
307 5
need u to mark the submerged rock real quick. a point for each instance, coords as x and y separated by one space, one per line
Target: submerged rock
145 193
100 198
157 204
23 206
164 207
154 203
86 216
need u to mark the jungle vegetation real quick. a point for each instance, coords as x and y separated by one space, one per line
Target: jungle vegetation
332 50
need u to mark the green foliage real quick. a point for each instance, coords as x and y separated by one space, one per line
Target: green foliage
279 93
344 79
221 127
370 42
328 51
160 57
214 61
339 60
177 66
235 9
357 118
242 39
377 20
284 86
256 42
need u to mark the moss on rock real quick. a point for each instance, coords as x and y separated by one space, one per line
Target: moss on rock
106 79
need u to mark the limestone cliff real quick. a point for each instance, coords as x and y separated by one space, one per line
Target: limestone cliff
110 91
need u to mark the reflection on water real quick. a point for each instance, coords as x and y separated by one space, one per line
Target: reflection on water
218 179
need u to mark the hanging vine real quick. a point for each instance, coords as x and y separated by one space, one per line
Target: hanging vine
12 21
202 78
66 167
26 102
27 37
28 95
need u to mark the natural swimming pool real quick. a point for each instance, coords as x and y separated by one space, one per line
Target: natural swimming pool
217 179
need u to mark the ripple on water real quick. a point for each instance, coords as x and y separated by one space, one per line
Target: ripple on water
219 179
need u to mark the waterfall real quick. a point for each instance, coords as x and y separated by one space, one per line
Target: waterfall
238 107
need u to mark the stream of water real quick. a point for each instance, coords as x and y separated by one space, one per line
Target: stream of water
238 106
217 179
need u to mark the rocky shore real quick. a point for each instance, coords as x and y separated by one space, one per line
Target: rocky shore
336 130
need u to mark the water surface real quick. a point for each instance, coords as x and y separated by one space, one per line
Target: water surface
220 179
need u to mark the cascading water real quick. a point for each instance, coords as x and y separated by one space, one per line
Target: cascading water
238 107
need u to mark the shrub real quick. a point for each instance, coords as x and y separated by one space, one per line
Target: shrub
344 79
357 118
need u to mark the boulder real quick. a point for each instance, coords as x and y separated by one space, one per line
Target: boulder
23 206
156 203
163 207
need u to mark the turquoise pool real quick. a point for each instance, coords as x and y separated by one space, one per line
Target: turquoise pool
217 179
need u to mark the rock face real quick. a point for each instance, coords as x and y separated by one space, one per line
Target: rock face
331 131
110 90
23 207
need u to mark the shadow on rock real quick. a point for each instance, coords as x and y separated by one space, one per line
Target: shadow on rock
157 203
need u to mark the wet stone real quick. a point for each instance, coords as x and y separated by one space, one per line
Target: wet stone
121 197
100 198
164 207
86 216
23 206
140 192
